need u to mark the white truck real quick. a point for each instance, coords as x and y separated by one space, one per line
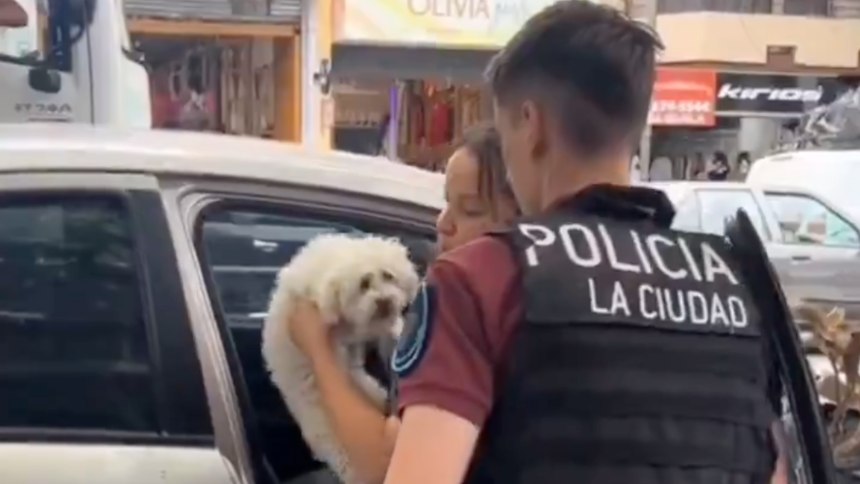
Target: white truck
70 61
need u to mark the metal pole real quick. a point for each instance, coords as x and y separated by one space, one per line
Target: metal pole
650 18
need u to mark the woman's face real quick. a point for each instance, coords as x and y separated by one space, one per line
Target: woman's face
468 213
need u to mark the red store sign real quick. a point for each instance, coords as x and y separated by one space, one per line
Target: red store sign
684 97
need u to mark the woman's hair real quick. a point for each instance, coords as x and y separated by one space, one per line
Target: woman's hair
483 141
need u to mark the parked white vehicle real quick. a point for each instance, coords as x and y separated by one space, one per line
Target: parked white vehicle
81 68
833 173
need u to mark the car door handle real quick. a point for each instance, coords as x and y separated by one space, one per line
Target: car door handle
801 258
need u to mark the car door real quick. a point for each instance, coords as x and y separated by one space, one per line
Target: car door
240 235
717 206
823 243
97 380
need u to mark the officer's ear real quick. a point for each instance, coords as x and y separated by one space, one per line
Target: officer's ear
533 123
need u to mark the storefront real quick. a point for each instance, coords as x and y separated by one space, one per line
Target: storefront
697 113
232 67
408 75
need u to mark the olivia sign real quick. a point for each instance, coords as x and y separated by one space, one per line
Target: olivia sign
452 23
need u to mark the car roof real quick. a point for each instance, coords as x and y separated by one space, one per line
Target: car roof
832 172
678 189
693 184
803 155
66 147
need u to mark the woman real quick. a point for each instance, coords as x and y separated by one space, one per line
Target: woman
719 168
478 200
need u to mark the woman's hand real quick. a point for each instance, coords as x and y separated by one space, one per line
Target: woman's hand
308 330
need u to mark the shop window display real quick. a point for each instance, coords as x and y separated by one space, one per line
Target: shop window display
362 116
432 117
416 122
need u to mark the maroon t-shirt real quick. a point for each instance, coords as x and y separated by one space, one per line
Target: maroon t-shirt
478 304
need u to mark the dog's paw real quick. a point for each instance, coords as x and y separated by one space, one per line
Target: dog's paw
397 328
370 387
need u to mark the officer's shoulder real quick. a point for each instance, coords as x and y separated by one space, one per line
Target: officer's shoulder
487 249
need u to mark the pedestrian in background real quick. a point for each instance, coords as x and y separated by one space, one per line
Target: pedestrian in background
718 168
743 165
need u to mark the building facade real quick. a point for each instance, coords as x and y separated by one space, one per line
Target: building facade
764 62
405 77
223 65
760 65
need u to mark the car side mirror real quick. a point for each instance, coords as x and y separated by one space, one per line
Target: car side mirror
44 80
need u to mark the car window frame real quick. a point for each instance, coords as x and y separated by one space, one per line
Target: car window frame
197 194
58 197
689 201
767 236
132 192
766 192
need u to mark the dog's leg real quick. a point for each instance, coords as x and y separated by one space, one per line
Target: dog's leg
370 387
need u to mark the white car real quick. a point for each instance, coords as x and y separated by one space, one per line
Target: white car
134 270
813 244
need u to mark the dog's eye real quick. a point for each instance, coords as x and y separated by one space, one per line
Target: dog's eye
387 276
364 284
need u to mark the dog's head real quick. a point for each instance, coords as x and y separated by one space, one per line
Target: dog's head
373 285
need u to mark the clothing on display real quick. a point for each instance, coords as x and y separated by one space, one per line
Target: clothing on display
427 118
433 117
441 119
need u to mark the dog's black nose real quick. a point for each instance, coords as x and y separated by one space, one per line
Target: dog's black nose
384 307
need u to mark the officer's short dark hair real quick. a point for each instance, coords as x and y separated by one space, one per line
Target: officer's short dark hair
590 65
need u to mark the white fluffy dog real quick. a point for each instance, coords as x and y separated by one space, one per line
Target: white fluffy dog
361 286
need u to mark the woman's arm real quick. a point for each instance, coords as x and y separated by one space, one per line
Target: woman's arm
361 427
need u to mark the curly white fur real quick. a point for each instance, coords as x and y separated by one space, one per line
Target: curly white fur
349 279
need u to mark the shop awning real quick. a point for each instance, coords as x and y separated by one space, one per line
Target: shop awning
12 14
275 11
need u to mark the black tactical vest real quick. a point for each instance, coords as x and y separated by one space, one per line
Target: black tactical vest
640 360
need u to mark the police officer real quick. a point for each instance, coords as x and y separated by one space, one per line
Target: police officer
590 343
